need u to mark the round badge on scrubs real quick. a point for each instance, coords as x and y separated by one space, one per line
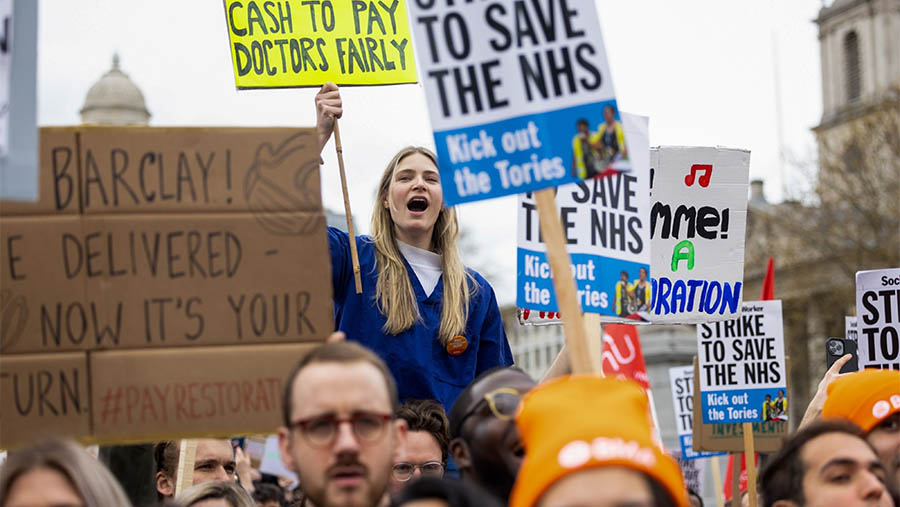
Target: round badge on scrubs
457 345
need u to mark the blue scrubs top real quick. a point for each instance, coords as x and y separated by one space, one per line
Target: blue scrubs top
421 366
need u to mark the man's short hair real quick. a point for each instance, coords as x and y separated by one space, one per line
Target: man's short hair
165 455
782 477
343 353
464 400
427 415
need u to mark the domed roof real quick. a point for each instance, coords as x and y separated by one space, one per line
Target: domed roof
115 100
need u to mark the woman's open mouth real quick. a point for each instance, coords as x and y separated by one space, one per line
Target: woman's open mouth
417 204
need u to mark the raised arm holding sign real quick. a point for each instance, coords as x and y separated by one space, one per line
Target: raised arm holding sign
434 322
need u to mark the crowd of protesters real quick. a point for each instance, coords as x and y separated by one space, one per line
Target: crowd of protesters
518 443
472 430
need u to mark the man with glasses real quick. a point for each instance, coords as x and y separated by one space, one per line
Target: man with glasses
339 432
426 443
485 442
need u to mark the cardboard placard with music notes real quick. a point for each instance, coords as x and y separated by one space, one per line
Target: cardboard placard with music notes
697 223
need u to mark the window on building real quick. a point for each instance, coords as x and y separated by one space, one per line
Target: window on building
851 66
853 158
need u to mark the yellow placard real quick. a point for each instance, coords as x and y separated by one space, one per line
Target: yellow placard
293 43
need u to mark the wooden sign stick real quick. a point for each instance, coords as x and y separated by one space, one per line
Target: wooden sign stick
750 460
184 477
594 330
736 480
563 282
717 481
354 257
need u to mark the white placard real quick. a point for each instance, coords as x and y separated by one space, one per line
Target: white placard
694 471
506 84
608 238
681 379
698 219
742 366
271 462
878 318
6 39
850 330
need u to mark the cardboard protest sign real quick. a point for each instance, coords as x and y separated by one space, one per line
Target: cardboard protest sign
44 394
742 366
697 224
682 384
290 44
145 395
608 238
231 254
154 264
878 318
508 85
767 435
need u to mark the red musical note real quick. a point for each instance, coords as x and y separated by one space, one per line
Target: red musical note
704 178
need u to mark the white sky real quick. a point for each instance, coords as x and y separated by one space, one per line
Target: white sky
703 71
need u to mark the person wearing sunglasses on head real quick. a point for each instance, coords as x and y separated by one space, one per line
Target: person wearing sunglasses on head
484 440
427 439
340 434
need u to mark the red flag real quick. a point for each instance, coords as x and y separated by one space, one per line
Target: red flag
622 354
743 478
768 287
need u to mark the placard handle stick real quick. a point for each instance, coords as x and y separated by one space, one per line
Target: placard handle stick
717 481
563 283
750 459
354 257
594 329
184 478
736 479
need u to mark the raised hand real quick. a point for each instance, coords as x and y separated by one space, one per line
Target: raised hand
328 108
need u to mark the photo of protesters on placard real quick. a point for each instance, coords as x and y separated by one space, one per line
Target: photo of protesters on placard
640 292
775 410
610 141
602 152
624 304
586 162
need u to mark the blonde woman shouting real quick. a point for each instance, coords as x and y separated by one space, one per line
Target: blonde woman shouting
434 322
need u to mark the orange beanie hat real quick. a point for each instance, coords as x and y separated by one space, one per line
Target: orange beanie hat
864 397
586 421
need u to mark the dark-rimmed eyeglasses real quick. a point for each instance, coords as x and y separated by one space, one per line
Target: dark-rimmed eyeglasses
321 430
404 471
503 403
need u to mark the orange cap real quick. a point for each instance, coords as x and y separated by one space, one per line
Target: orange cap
864 397
585 421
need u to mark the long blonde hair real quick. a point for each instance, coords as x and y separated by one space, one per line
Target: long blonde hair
394 293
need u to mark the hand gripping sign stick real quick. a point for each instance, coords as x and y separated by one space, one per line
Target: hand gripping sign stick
354 257
184 476
563 282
